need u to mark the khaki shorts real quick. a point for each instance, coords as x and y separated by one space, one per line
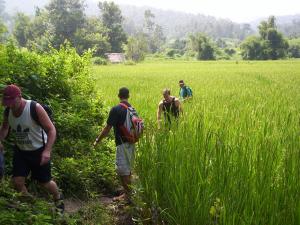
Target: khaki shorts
124 159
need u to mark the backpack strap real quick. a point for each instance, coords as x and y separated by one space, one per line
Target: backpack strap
6 112
33 113
35 117
123 105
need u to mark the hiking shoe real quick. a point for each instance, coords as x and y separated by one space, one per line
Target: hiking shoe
60 205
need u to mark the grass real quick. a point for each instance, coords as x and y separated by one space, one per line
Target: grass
235 156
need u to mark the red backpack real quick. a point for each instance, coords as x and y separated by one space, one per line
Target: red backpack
133 127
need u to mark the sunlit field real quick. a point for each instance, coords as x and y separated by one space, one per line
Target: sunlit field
234 157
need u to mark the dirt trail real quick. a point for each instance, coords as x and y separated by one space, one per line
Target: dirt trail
121 212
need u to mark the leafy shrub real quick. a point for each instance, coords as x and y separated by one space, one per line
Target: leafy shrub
129 63
99 61
61 79
18 209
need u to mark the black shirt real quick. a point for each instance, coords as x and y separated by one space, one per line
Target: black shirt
170 108
117 117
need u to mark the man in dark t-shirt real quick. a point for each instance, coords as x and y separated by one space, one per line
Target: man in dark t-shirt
124 149
170 106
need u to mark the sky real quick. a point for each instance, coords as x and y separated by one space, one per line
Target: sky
235 10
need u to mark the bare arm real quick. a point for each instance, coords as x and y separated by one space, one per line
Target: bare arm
50 131
103 134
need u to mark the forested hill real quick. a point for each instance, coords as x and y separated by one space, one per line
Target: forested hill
175 24
288 25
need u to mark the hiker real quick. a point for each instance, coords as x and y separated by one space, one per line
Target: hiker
170 106
185 92
33 142
125 148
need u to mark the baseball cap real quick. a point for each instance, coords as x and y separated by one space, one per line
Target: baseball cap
181 82
10 93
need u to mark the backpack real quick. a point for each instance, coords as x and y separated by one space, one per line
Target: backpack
35 117
133 127
189 91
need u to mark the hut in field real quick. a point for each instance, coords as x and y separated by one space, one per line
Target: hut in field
115 57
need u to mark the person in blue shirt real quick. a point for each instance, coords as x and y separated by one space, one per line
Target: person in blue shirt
185 92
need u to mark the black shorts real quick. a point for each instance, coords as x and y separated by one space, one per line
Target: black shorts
25 162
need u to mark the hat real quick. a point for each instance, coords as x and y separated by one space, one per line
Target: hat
9 94
181 82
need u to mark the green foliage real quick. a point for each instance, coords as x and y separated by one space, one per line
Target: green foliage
99 61
66 17
294 48
129 63
3 32
270 44
61 79
252 48
179 45
85 174
17 209
112 19
22 29
136 48
93 213
153 32
201 44
235 157
93 35
61 22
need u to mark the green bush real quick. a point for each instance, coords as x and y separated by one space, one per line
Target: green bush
99 61
17 209
62 80
129 63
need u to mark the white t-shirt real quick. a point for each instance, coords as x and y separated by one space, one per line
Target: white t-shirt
28 133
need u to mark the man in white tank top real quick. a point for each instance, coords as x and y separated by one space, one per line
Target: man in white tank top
33 142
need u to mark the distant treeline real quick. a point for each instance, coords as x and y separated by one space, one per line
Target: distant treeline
138 33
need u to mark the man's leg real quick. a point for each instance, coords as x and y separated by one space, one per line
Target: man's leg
124 164
52 188
126 183
19 184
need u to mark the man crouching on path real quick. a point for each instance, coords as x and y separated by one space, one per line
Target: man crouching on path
33 142
124 150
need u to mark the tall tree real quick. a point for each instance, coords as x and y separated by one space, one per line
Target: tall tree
148 21
2 8
270 45
92 36
136 47
3 31
22 29
66 16
153 32
252 48
202 45
276 45
112 18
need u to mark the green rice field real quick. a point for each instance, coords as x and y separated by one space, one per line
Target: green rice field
234 156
